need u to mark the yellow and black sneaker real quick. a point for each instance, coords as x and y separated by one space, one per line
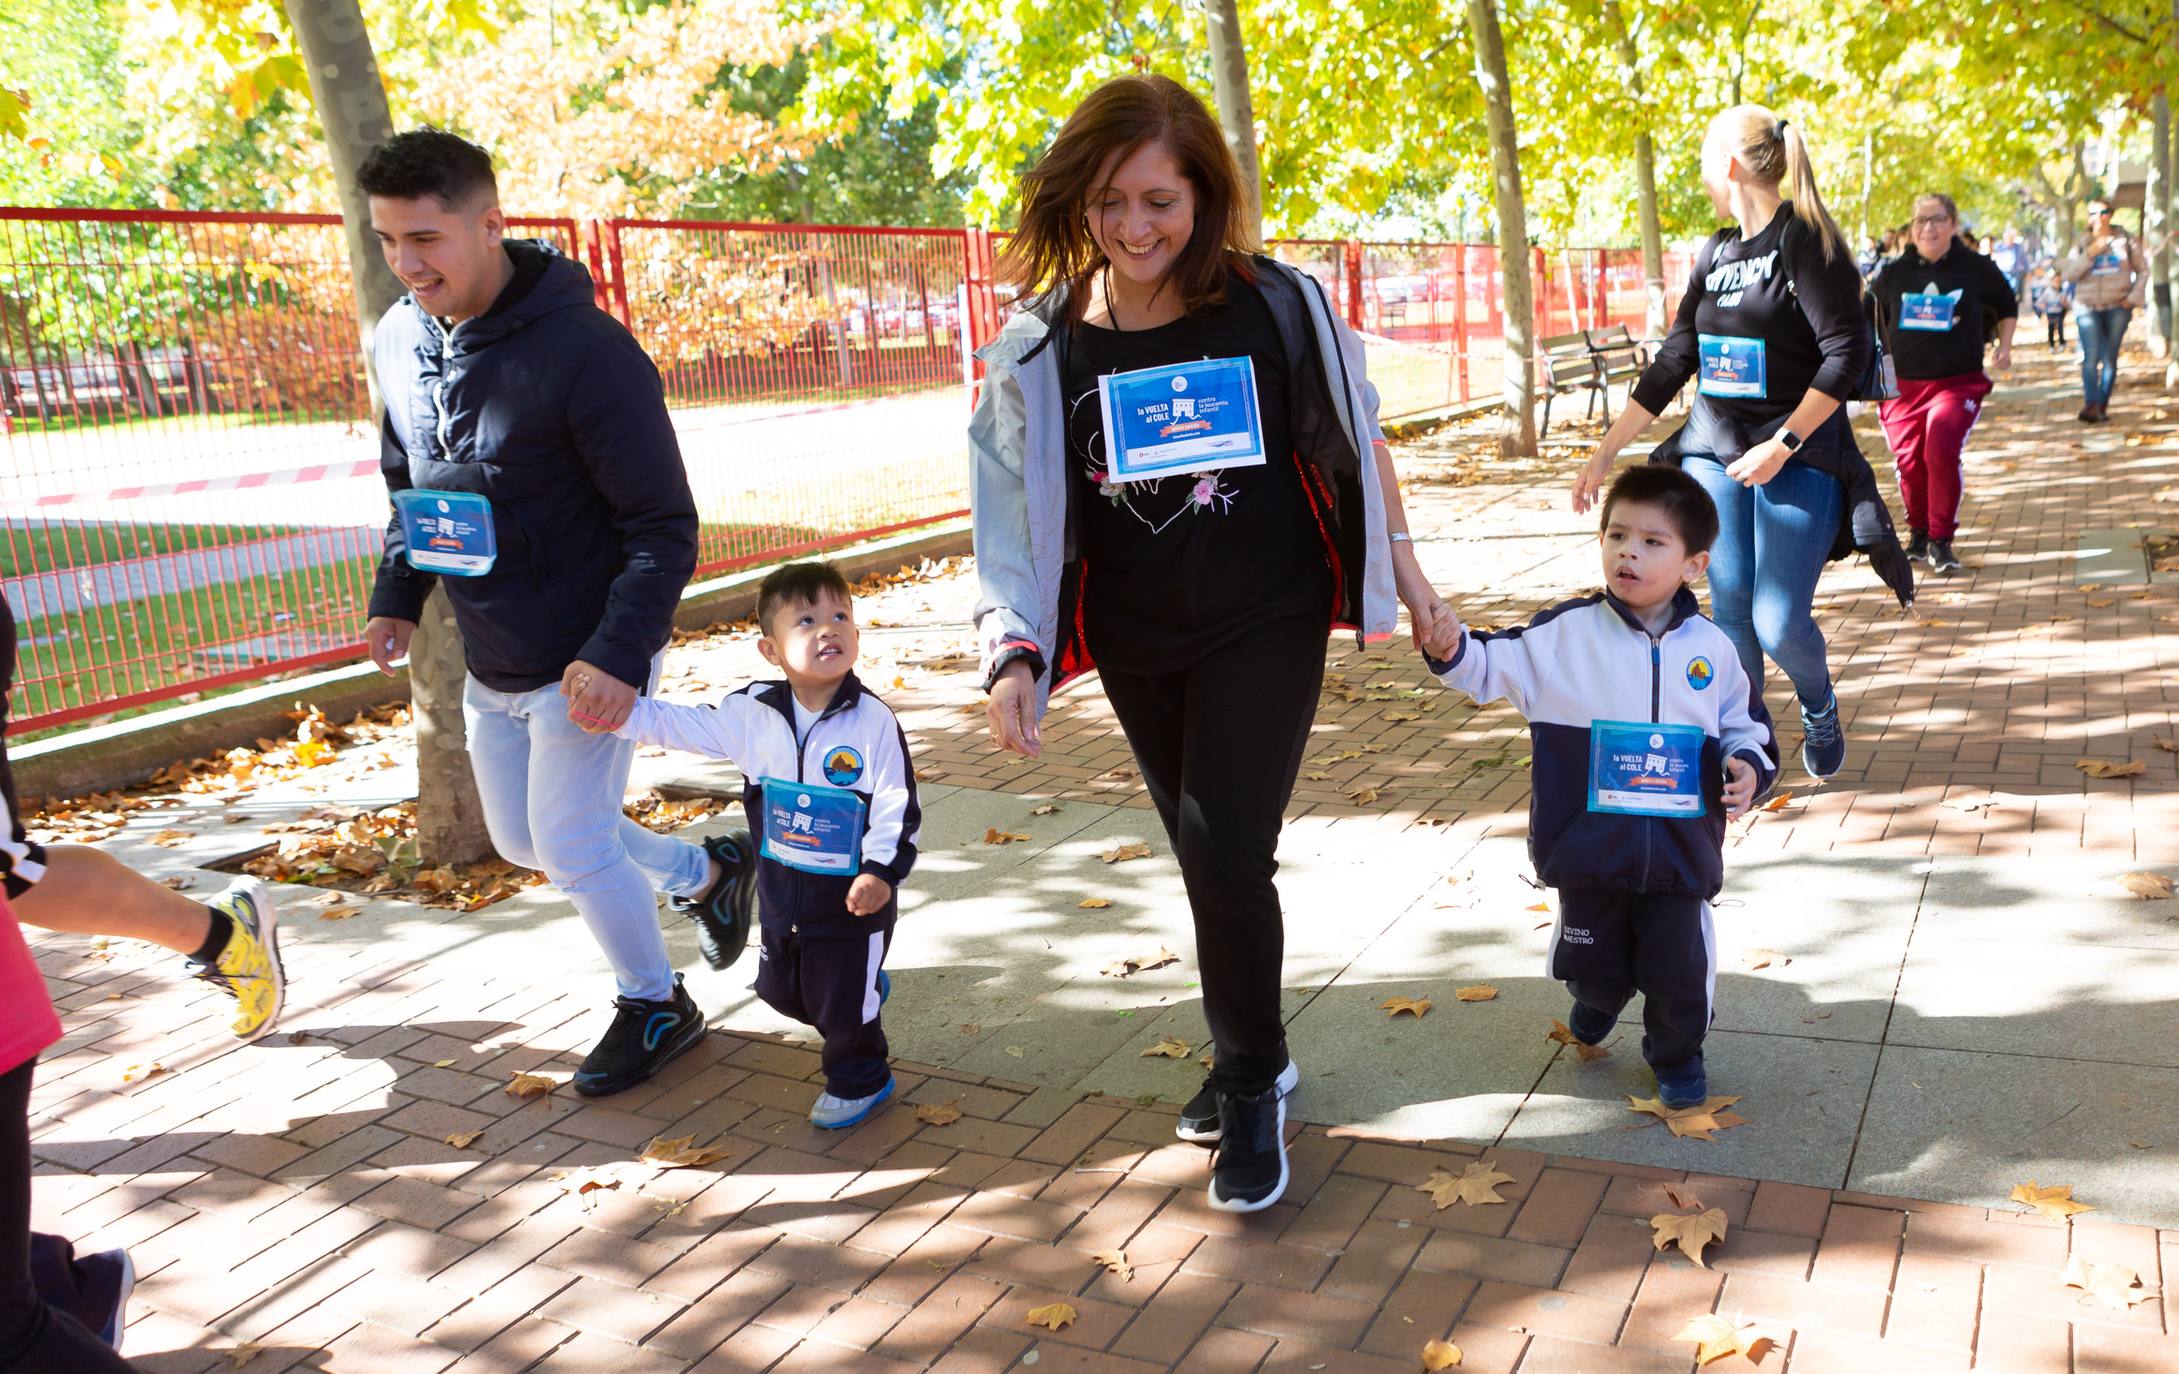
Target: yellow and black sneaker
248 967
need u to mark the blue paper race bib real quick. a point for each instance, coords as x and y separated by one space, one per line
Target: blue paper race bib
1732 367
448 532
1928 310
2107 264
815 828
1638 768
1190 417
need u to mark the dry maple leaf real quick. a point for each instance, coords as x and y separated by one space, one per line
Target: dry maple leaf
462 1140
1478 992
244 1353
1362 796
338 912
938 1113
2100 602
530 1085
1690 1231
1317 775
180 882
2166 743
1686 1199
1417 1007
1715 1337
595 1178
681 1152
1115 1262
1764 958
1778 803
994 835
1166 1048
1094 903
2055 1202
1138 963
1125 852
2149 887
1476 1185
1438 1355
167 839
2115 1284
1051 1315
1564 1035
1693 1123
2104 768
142 1073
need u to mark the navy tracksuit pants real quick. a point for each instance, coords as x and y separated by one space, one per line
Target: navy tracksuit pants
1610 945
830 983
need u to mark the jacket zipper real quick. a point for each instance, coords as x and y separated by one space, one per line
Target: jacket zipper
801 755
1656 716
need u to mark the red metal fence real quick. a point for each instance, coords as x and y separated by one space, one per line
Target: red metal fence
189 495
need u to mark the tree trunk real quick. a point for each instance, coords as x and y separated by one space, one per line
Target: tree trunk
1236 111
1517 436
2156 225
1654 323
351 101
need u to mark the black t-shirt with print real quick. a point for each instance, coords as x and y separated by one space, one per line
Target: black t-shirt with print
1179 566
1768 322
1957 303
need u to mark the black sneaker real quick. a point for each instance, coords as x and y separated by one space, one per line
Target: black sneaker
1918 546
1589 1025
1941 558
1248 1173
1199 1122
1823 742
644 1038
722 914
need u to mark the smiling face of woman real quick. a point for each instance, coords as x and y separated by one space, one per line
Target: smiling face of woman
1934 225
1141 213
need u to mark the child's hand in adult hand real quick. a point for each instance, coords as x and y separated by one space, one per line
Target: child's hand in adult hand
868 894
1739 787
596 700
1439 636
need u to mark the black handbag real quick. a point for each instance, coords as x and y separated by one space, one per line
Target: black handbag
1881 381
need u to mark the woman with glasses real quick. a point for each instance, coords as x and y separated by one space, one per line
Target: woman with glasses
1937 304
2110 277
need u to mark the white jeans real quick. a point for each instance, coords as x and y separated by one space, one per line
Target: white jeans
552 801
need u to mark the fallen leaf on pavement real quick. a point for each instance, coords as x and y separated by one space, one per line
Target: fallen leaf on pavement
2115 1284
2167 744
1115 1262
1362 796
1476 1185
1045 810
1973 803
1051 1315
530 1085
339 911
1779 802
994 835
1564 1035
1125 852
2055 1202
938 1113
1763 958
2149 887
1715 1337
1398 716
592 1179
1166 1048
141 1073
2099 602
1438 1355
1417 1007
1138 963
1094 903
1689 1231
462 1140
180 882
681 1152
1685 1199
2104 768
1693 1123
167 839
1540 906
1479 992
1015 1051
971 1028
1317 775
243 1354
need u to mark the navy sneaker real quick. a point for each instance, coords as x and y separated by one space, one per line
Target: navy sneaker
1589 1025
724 912
1823 742
644 1038
1249 1171
1686 1086
111 1278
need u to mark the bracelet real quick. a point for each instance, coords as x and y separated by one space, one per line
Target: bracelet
1402 537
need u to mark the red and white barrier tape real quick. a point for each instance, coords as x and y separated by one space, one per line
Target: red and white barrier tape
246 481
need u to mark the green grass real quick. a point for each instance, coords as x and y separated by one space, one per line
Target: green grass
44 548
97 418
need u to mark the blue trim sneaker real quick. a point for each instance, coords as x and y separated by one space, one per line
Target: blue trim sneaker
248 968
1684 1087
725 910
1823 741
1248 1173
838 1113
1589 1025
112 1277
644 1038
885 986
1200 1122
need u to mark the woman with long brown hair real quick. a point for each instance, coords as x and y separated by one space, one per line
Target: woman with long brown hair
1178 478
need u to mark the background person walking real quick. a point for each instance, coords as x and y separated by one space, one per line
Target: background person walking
2110 279
1936 305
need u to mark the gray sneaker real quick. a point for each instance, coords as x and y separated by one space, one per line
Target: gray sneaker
837 1113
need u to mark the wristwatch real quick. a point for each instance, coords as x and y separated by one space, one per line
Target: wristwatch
1788 440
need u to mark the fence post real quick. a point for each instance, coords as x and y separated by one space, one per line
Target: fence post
1460 315
978 284
1539 268
1352 255
616 273
1600 308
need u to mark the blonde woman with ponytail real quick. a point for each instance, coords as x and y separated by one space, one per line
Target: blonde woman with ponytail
1771 329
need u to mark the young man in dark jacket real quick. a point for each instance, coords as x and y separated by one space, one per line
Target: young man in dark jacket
532 465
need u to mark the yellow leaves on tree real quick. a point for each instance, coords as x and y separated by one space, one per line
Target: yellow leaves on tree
1476 1185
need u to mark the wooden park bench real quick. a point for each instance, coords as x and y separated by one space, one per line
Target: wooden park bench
1620 357
1569 364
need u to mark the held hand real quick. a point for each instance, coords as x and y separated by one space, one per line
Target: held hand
1438 633
2002 359
1589 484
1739 787
1759 464
1011 711
868 894
596 700
388 640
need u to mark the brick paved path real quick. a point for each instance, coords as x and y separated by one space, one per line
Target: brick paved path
297 1203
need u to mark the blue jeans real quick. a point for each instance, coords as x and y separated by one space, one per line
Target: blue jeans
2100 332
1772 542
552 797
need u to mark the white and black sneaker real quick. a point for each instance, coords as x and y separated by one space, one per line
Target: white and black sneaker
1199 1120
1248 1173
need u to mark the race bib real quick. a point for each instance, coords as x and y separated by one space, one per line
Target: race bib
1637 768
2107 264
1191 417
1732 367
447 532
1928 310
815 828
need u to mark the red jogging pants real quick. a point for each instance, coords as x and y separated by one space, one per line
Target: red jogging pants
1926 426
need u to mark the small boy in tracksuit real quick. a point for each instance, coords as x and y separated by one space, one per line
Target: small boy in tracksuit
1647 737
830 793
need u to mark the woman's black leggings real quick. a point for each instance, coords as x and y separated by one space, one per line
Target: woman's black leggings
1220 743
34 1338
